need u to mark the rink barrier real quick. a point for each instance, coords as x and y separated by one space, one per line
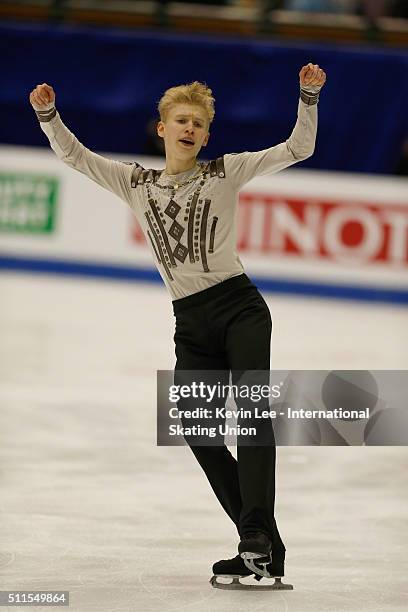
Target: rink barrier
137 274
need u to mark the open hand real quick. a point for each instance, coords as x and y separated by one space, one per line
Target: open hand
312 76
42 98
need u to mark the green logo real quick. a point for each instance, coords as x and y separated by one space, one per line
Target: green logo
27 203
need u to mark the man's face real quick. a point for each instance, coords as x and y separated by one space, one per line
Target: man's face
184 131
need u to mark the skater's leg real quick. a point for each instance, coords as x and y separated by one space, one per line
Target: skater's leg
218 333
197 353
248 348
221 470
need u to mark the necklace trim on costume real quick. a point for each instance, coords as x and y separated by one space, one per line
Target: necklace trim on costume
177 185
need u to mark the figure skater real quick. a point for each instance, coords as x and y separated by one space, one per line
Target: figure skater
188 214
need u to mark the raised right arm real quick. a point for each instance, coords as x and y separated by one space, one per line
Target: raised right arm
110 174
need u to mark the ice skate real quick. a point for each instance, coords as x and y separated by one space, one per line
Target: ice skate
235 574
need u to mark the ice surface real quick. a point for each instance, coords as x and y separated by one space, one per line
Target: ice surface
90 504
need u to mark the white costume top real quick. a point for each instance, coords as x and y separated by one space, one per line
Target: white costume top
191 229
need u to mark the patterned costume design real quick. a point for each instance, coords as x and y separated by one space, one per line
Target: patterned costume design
176 232
190 218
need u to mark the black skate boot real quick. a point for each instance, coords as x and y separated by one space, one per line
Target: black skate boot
232 567
237 568
255 550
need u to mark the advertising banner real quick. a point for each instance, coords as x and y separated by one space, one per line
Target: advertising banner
299 231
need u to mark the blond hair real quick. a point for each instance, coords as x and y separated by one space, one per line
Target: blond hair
192 93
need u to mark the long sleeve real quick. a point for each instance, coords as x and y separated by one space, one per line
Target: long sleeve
110 174
300 145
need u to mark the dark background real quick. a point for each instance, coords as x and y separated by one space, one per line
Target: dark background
108 82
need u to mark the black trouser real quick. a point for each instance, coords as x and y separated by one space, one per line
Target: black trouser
228 327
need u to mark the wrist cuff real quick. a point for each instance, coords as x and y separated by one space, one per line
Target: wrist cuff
47 115
308 97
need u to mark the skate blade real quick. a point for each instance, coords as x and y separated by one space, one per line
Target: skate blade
237 585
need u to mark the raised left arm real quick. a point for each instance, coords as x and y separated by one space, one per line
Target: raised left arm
242 167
